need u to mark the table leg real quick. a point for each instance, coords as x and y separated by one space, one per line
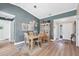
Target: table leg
31 44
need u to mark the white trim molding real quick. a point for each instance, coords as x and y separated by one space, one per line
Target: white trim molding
6 15
19 42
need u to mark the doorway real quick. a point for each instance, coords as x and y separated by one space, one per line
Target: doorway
5 32
64 27
5 27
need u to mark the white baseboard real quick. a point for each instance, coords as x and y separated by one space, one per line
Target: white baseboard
3 39
19 42
52 40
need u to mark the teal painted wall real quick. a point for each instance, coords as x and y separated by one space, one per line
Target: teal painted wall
38 28
21 16
67 14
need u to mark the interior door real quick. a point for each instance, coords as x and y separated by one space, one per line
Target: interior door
67 30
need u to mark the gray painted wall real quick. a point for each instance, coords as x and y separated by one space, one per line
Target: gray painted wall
21 16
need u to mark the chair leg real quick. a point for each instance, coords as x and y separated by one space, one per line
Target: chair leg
29 46
40 44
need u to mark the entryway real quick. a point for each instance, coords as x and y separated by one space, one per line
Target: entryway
64 28
5 30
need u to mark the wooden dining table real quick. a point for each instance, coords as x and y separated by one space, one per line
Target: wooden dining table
41 37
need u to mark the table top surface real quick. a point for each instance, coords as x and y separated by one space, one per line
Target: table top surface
32 37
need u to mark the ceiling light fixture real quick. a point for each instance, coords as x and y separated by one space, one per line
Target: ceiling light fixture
35 6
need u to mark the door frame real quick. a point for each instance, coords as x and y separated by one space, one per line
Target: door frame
77 34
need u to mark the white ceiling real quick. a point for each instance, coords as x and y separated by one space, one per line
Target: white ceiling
44 10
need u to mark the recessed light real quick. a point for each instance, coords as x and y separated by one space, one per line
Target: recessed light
35 6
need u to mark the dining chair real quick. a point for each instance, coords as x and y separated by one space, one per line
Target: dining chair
40 40
43 37
30 33
27 41
36 40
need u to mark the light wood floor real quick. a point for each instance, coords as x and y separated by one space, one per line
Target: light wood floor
7 49
57 48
